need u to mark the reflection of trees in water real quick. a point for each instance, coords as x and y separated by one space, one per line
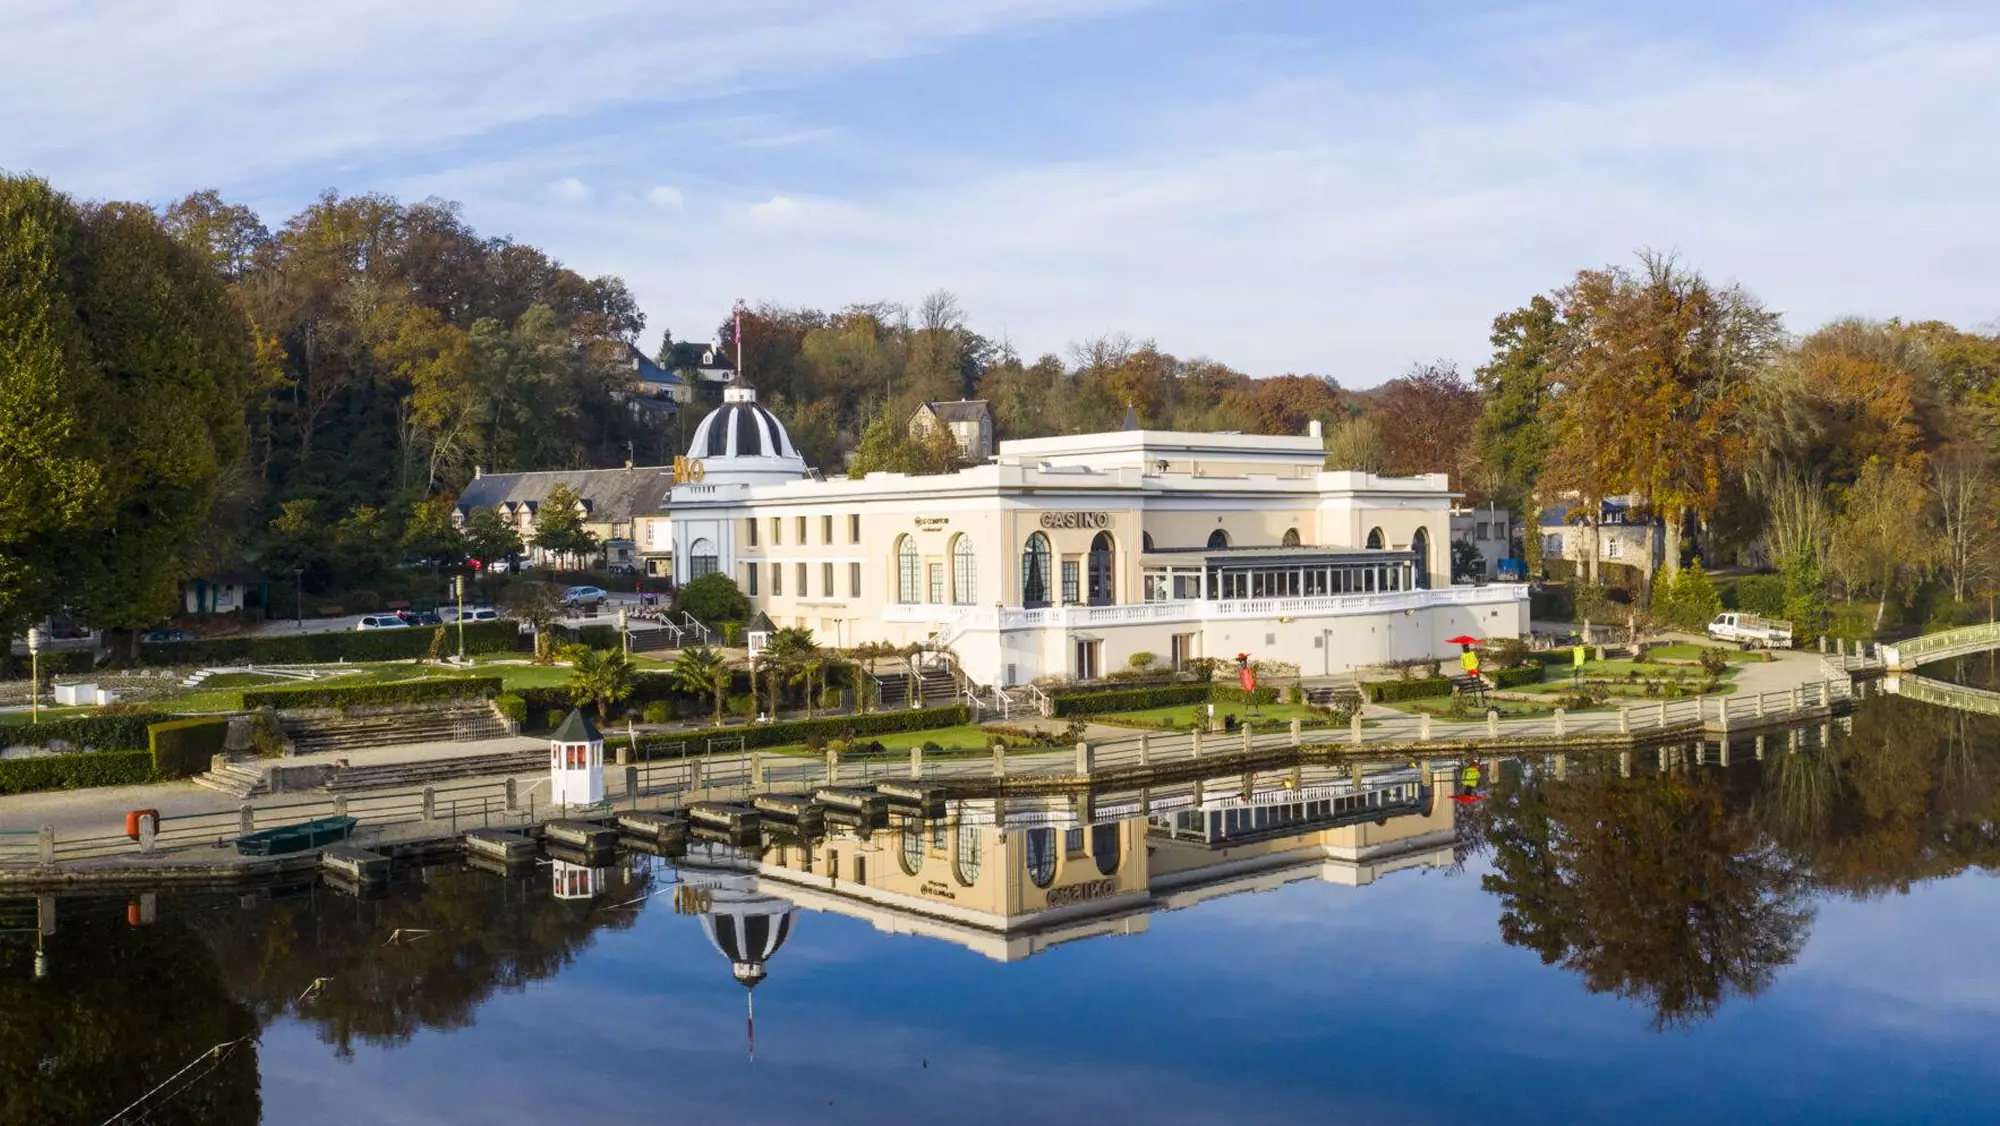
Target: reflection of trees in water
1649 888
465 934
122 1009
1683 888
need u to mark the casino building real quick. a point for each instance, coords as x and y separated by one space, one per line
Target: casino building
1063 557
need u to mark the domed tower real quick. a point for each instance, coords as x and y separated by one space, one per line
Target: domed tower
742 442
747 928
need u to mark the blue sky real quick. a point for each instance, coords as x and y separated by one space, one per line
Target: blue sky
1341 188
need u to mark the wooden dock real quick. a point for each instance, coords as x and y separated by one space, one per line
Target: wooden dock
355 865
866 804
729 817
926 799
588 836
795 809
653 825
500 845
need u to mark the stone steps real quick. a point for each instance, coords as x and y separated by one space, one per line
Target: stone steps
234 780
450 724
386 776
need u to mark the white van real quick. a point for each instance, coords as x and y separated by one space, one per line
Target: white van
381 621
470 614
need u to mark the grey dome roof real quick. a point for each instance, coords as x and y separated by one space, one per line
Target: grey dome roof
748 931
741 429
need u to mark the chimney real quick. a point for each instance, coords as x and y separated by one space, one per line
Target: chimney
1315 430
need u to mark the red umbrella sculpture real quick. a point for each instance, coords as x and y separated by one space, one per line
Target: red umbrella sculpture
1461 640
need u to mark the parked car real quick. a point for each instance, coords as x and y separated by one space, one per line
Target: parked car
584 596
165 636
381 621
470 614
1751 630
420 617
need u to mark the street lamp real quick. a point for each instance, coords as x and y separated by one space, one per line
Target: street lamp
34 674
624 637
458 590
299 598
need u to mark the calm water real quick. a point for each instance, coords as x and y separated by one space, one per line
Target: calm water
1813 938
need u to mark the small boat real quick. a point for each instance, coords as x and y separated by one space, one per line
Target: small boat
296 838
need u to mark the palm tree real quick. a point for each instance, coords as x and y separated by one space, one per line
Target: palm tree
788 650
808 666
868 653
598 676
702 671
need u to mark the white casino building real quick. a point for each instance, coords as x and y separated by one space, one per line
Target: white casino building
1063 557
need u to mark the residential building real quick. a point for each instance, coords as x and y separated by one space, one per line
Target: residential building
1489 529
612 500
1625 534
970 422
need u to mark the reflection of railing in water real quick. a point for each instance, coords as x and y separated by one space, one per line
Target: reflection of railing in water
1944 694
1940 646
1250 823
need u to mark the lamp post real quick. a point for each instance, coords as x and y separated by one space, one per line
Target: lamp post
624 638
299 598
458 591
34 674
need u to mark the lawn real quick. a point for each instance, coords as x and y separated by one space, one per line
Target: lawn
1693 653
1187 715
1440 706
965 738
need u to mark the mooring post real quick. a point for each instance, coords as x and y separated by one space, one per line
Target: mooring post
632 784
757 770
1246 738
1492 724
1562 727
1624 721
47 840
1424 728
1722 714
513 795
1145 749
1760 748
45 914
1356 776
832 767
1562 767
1298 732
149 908
340 802
999 759
1661 754
246 818
1194 742
1760 705
1624 764
1662 717
1354 727
1197 791
1145 801
1083 758
916 762
430 804
148 827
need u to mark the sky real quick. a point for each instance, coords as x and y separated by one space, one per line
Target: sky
1282 185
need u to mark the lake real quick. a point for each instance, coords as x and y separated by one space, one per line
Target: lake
1809 937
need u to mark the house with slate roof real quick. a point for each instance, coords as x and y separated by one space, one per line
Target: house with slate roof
612 500
969 420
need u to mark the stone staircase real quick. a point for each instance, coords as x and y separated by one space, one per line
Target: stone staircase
933 686
236 780
1338 693
460 721
390 775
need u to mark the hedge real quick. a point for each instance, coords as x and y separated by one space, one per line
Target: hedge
373 695
1515 678
75 772
811 730
1132 699
102 732
182 747
337 645
1234 694
1390 691
60 662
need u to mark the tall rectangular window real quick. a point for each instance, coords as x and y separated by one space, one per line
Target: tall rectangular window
803 592
936 577
777 580
750 526
854 527
777 531
750 579
1069 582
826 529
699 565
854 580
801 529
826 579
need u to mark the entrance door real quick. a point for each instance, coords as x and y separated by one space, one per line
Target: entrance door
1087 656
1183 650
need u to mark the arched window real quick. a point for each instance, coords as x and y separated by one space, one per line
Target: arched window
964 572
1099 588
1421 544
1035 571
1291 538
912 855
970 846
1104 847
906 569
1218 539
1042 856
702 559
1146 541
1375 540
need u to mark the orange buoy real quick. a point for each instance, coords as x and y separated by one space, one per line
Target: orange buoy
132 817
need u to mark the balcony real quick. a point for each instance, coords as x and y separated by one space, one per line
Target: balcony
1202 610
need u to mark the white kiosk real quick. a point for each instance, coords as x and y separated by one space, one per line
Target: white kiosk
576 762
574 881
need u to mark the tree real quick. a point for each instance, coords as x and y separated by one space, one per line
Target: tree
1356 444
599 677
712 598
889 448
559 528
1962 488
868 653
1466 562
782 660
1687 600
702 671
1426 417
490 538
1882 541
430 536
1512 434
541 607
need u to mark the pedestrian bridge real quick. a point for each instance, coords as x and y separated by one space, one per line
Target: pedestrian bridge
1941 646
1944 694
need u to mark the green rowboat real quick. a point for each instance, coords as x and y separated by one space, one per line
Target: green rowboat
296 838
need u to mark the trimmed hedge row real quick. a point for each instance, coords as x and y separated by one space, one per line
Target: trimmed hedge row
809 730
1390 691
372 695
60 662
182 748
103 732
76 772
1234 694
1515 678
1132 699
338 645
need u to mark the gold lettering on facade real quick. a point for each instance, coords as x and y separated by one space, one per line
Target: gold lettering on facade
1057 520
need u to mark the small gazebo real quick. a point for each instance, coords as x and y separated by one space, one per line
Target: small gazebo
576 762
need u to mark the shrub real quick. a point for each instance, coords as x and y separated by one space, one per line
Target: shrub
512 706
826 730
1204 668
1132 699
1390 691
75 772
327 648
266 735
712 598
829 698
1516 677
182 748
99 732
1714 660
1758 594
1142 660
374 695
1234 694
1295 694
743 706
59 662
658 711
